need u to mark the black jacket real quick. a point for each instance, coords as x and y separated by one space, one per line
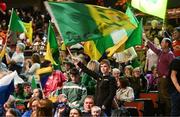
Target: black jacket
105 88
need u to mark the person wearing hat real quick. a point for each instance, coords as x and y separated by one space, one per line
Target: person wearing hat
176 41
16 62
165 56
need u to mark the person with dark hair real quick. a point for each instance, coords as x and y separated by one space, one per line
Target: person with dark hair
13 113
165 56
106 84
32 65
176 41
122 112
74 90
174 86
74 112
37 93
124 93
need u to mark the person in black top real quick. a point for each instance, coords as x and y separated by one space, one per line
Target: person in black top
106 85
175 86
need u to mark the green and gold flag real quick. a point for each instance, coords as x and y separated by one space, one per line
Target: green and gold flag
52 50
82 22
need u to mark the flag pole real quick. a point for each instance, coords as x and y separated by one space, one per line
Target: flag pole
70 52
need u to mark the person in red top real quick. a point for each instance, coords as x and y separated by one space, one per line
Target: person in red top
54 82
176 41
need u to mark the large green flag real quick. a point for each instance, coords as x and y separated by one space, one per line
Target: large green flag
152 7
136 37
52 51
15 23
82 22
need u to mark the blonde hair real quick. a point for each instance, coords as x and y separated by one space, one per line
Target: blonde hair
93 65
116 70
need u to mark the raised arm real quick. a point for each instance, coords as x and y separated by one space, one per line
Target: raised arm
95 75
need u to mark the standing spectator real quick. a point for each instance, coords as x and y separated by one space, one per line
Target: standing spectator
106 84
74 90
175 86
54 82
17 60
32 65
165 56
176 41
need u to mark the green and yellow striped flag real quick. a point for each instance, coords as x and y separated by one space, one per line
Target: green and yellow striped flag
82 22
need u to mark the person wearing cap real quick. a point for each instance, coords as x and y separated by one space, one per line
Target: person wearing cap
176 41
74 90
17 60
165 56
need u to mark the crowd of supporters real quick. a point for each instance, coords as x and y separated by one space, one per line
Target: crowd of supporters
85 87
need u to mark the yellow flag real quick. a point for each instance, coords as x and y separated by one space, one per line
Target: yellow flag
29 29
48 55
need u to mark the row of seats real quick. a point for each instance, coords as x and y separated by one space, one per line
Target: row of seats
146 105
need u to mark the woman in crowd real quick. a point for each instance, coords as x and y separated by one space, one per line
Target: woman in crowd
32 65
124 92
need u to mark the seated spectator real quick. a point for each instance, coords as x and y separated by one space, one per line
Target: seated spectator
153 79
128 70
96 111
139 82
74 90
124 93
116 73
122 112
74 112
88 104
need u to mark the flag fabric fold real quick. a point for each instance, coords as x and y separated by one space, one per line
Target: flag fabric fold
7 86
82 22
152 7
52 50
15 23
